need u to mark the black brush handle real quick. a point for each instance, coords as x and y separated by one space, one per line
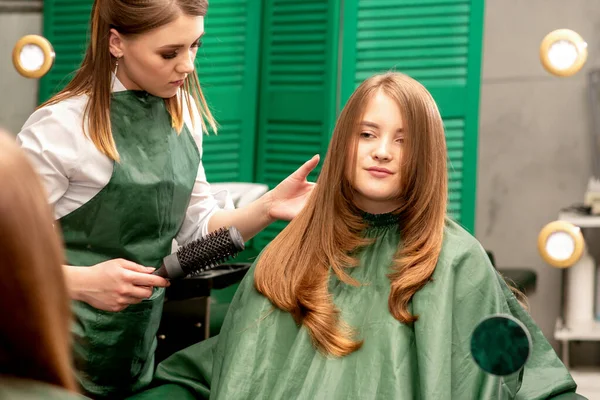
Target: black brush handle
203 254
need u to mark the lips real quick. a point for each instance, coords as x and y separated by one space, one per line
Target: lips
178 81
379 169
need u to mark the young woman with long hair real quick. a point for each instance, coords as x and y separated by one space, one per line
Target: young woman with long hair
371 292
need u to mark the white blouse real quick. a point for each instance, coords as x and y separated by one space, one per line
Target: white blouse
73 170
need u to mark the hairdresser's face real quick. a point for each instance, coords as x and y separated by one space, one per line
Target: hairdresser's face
376 177
158 61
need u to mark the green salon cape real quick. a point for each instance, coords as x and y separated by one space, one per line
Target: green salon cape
262 354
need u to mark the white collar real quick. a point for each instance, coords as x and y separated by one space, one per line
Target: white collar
117 86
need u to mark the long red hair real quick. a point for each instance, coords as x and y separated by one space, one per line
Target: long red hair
35 333
293 270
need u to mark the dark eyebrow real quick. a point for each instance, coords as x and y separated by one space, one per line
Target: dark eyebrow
177 46
375 126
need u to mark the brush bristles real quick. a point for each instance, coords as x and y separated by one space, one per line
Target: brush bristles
210 251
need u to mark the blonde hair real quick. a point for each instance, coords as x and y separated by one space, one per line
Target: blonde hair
94 77
36 315
293 270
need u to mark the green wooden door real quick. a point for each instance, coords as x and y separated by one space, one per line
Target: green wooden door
437 42
276 94
298 90
227 65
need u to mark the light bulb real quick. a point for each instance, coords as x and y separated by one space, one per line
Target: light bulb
563 52
31 57
560 246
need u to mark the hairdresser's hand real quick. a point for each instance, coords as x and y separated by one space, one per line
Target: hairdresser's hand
289 197
113 285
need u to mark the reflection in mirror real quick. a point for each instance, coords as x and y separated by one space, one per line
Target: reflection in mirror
501 345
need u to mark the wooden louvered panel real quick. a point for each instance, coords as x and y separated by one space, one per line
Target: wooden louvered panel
298 89
66 27
455 144
222 156
227 65
424 39
288 146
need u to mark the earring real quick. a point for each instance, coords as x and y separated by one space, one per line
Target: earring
117 65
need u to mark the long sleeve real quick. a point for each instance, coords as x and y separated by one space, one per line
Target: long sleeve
50 142
203 202
72 169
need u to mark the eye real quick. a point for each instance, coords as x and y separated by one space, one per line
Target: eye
169 56
366 135
400 140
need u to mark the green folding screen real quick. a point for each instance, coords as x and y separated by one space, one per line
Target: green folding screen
298 89
277 72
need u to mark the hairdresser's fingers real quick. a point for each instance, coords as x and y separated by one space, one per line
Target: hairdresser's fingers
146 279
134 267
139 292
306 168
140 275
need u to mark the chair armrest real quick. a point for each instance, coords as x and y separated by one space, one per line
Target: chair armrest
200 285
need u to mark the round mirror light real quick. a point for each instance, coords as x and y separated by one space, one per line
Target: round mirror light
563 52
33 56
560 244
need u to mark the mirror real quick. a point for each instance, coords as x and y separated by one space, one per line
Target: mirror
33 56
501 345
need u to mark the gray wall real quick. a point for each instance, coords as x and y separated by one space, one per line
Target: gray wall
534 153
19 94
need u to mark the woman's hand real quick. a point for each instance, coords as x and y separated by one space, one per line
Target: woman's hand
283 202
112 285
289 197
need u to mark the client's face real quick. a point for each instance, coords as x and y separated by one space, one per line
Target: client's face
376 177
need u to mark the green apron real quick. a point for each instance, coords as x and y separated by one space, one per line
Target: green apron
134 217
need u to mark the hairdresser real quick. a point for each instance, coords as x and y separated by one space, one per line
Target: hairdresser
119 151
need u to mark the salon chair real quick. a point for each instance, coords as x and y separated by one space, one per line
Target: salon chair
195 307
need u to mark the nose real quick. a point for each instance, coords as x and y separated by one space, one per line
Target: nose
186 66
382 152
